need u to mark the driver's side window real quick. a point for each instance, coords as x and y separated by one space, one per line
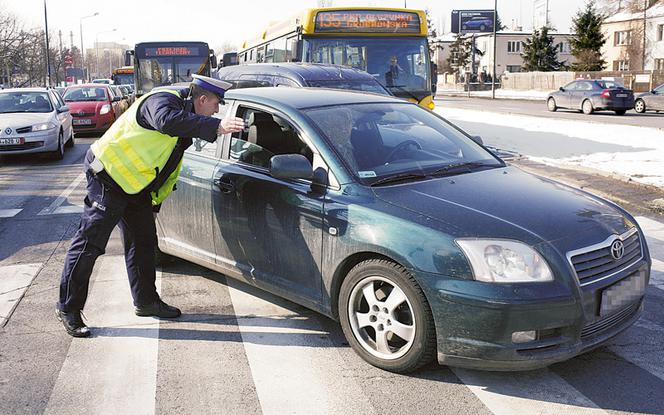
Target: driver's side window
266 135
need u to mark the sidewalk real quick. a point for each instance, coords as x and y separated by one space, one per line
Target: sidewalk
533 95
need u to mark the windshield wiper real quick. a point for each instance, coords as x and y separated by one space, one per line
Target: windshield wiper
465 167
399 178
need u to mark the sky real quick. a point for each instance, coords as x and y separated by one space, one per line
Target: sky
220 22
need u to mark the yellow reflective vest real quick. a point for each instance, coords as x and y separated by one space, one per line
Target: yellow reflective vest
133 156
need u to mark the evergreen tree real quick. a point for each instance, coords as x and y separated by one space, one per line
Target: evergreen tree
589 39
459 53
432 33
540 54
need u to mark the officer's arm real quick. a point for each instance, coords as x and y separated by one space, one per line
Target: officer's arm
166 113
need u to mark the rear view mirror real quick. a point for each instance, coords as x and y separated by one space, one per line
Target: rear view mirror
63 108
561 89
116 99
290 166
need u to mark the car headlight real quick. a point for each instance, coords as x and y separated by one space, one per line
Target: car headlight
105 109
43 126
505 261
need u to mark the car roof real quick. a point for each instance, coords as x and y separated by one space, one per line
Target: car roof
300 70
31 89
307 97
88 85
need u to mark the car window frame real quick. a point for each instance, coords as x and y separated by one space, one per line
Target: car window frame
221 140
332 184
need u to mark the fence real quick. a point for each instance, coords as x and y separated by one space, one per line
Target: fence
639 81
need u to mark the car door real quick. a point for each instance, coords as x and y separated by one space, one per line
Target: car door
185 217
64 117
269 229
563 98
657 99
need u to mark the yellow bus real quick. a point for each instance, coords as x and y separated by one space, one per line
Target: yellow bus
390 44
123 75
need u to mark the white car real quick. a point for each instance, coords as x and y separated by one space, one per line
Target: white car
34 120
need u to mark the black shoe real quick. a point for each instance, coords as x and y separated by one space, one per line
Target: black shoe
158 309
73 323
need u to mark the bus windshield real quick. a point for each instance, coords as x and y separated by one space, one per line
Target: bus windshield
401 64
123 78
158 71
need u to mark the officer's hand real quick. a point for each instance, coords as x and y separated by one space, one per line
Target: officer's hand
230 125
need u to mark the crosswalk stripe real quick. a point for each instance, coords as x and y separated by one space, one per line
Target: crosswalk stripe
119 362
9 213
14 281
294 365
539 392
63 196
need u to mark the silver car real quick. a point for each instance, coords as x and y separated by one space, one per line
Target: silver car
650 101
34 120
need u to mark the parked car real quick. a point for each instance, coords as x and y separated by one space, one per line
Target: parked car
421 242
295 74
102 81
589 95
93 106
650 101
34 120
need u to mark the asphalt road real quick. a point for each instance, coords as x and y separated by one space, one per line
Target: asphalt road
538 109
238 350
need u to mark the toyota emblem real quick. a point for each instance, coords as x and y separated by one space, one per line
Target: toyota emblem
617 249
8 131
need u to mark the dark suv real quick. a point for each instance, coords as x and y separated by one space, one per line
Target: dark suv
300 75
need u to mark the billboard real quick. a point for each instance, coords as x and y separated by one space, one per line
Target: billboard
472 21
540 13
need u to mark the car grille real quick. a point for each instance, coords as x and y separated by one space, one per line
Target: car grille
82 114
595 262
610 321
23 130
26 146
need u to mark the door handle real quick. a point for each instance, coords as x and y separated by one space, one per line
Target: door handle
224 185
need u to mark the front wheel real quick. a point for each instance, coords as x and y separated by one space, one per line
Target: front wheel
551 105
640 106
587 107
59 152
70 142
620 112
386 317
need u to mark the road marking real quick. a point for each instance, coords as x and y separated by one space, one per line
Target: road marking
63 196
68 209
114 371
539 392
14 281
295 366
9 213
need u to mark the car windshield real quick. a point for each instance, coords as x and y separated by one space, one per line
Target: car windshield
24 102
368 85
381 140
85 94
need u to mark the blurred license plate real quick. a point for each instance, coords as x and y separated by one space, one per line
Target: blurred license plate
621 95
82 122
11 141
623 293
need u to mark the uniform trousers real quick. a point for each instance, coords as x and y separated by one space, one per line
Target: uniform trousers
107 205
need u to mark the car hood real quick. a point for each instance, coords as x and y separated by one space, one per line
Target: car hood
509 203
22 119
85 106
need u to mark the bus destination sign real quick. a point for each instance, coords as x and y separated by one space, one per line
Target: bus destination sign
171 51
365 21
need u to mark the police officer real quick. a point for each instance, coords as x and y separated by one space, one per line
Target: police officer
130 170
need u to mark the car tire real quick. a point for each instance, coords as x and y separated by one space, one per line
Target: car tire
368 320
70 142
587 107
551 105
620 112
59 153
640 106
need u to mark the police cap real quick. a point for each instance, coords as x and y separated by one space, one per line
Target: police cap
216 86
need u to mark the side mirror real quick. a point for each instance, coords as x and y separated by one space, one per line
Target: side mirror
62 109
477 139
561 89
654 92
290 166
116 99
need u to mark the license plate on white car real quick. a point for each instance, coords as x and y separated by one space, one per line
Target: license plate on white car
10 141
82 121
623 294
621 95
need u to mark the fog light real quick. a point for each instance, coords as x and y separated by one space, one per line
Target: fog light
524 336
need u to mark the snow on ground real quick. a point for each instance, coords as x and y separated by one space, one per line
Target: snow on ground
500 93
635 152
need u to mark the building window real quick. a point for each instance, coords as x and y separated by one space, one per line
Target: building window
513 68
660 32
564 48
623 38
621 66
659 64
514 46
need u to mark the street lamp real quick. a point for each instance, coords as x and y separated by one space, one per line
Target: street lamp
82 50
97 48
